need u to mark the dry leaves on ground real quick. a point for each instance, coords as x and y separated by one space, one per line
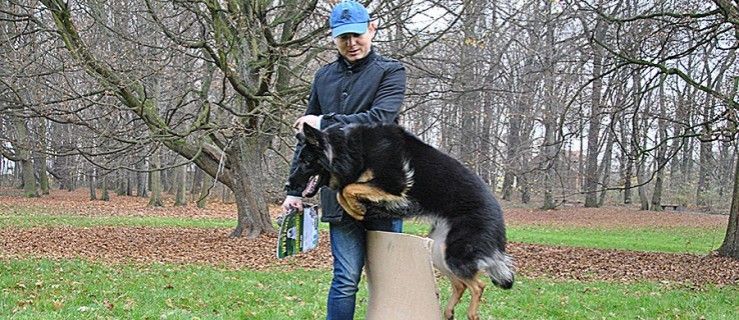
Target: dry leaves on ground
213 246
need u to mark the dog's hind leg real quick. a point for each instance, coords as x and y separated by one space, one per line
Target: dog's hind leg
476 287
458 288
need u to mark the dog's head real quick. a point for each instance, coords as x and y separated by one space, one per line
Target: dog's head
313 159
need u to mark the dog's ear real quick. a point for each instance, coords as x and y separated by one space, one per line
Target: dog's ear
312 135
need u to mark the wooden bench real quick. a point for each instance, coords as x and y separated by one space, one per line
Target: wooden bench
673 206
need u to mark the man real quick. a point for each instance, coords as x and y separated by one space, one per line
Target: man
359 87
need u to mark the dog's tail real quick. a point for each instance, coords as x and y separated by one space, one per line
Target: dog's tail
499 268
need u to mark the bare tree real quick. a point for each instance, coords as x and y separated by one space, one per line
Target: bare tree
211 81
591 163
180 184
21 153
715 40
540 98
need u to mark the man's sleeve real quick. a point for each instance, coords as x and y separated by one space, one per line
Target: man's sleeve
313 108
293 165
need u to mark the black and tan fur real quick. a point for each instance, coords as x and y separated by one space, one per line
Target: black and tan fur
384 171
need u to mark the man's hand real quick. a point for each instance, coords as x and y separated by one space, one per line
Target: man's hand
291 202
311 120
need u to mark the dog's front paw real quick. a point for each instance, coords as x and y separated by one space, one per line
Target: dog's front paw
355 209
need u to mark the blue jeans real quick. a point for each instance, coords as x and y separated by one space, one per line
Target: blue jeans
348 241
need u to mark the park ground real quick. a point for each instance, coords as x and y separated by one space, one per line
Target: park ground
212 245
68 226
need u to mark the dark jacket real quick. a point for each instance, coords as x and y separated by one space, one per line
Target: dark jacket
370 91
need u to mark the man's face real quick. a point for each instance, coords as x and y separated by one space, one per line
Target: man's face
354 46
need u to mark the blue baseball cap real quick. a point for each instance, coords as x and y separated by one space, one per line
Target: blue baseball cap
349 17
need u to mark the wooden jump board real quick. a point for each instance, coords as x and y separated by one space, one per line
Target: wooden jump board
400 278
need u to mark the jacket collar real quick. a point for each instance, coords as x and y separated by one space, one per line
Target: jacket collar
359 64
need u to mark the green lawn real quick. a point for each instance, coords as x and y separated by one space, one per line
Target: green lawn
34 288
37 217
663 239
45 289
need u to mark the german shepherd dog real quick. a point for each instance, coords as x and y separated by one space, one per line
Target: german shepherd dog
384 171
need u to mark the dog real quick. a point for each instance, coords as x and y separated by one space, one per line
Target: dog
383 171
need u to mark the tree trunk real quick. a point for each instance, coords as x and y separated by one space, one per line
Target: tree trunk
43 177
730 246
120 182
18 175
129 183
26 163
628 175
141 181
550 119
469 99
704 168
91 184
591 165
168 180
581 158
197 183
640 141
106 191
513 144
181 186
606 168
156 180
248 182
641 189
661 158
29 178
550 163
205 188
705 161
507 188
62 169
724 165
657 191
525 187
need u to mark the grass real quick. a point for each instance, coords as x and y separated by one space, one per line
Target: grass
42 288
545 299
662 239
37 217
83 221
39 288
